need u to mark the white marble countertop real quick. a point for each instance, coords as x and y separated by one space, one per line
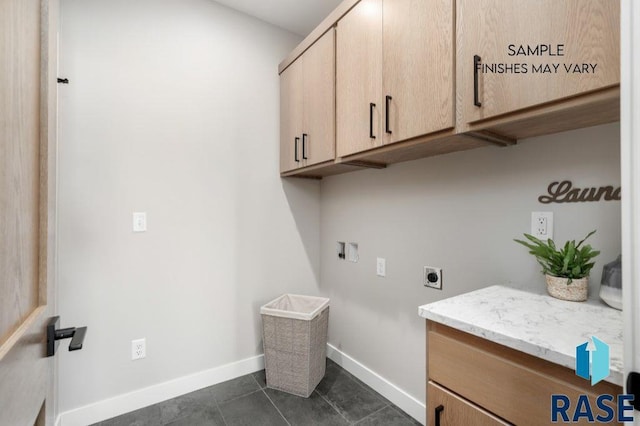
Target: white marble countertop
536 324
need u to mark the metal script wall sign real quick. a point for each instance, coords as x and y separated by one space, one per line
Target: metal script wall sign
564 192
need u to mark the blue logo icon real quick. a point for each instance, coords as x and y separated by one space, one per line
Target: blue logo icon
596 368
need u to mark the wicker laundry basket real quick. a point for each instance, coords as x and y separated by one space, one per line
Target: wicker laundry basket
294 332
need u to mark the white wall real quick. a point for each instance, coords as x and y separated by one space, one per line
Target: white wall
172 109
459 212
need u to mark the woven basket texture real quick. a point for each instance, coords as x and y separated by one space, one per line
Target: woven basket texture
295 352
577 291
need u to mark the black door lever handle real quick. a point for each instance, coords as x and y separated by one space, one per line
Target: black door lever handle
77 339
54 334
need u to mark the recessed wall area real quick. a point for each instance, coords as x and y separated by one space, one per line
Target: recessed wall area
459 212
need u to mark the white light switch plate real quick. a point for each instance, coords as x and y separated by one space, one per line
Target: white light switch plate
381 267
352 252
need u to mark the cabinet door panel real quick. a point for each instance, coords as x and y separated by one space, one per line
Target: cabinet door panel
359 78
587 29
454 410
496 377
418 68
319 99
290 115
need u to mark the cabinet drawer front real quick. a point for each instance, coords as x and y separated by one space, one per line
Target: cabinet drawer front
588 30
453 410
510 384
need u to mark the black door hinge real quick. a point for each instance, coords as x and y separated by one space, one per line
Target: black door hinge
63 80
633 388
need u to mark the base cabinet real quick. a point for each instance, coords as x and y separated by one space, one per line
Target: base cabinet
514 387
448 409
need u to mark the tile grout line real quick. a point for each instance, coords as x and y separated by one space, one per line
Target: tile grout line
371 414
365 386
332 406
270 400
276 407
220 411
254 378
369 389
241 396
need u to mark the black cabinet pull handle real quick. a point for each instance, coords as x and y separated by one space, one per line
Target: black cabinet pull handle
476 62
304 146
295 155
371 107
439 409
386 114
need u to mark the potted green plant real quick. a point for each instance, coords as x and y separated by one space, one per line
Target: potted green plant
566 269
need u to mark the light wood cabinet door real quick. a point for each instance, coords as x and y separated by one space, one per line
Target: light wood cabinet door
291 101
359 79
318 142
455 411
588 30
418 68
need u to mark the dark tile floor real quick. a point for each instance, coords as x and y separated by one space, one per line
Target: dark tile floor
339 399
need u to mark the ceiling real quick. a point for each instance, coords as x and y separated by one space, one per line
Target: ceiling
297 16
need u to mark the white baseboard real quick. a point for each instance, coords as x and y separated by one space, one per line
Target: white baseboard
141 398
384 387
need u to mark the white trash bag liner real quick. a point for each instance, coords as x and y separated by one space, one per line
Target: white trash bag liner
295 306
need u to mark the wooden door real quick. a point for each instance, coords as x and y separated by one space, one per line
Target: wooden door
418 67
454 411
588 30
359 79
291 117
319 106
28 31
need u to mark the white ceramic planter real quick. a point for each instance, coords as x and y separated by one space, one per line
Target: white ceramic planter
577 291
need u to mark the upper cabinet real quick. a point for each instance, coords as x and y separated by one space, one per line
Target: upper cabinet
384 81
418 67
319 100
359 78
519 54
394 72
291 117
307 107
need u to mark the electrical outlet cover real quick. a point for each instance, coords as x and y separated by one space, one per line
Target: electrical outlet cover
138 349
542 225
432 277
139 222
